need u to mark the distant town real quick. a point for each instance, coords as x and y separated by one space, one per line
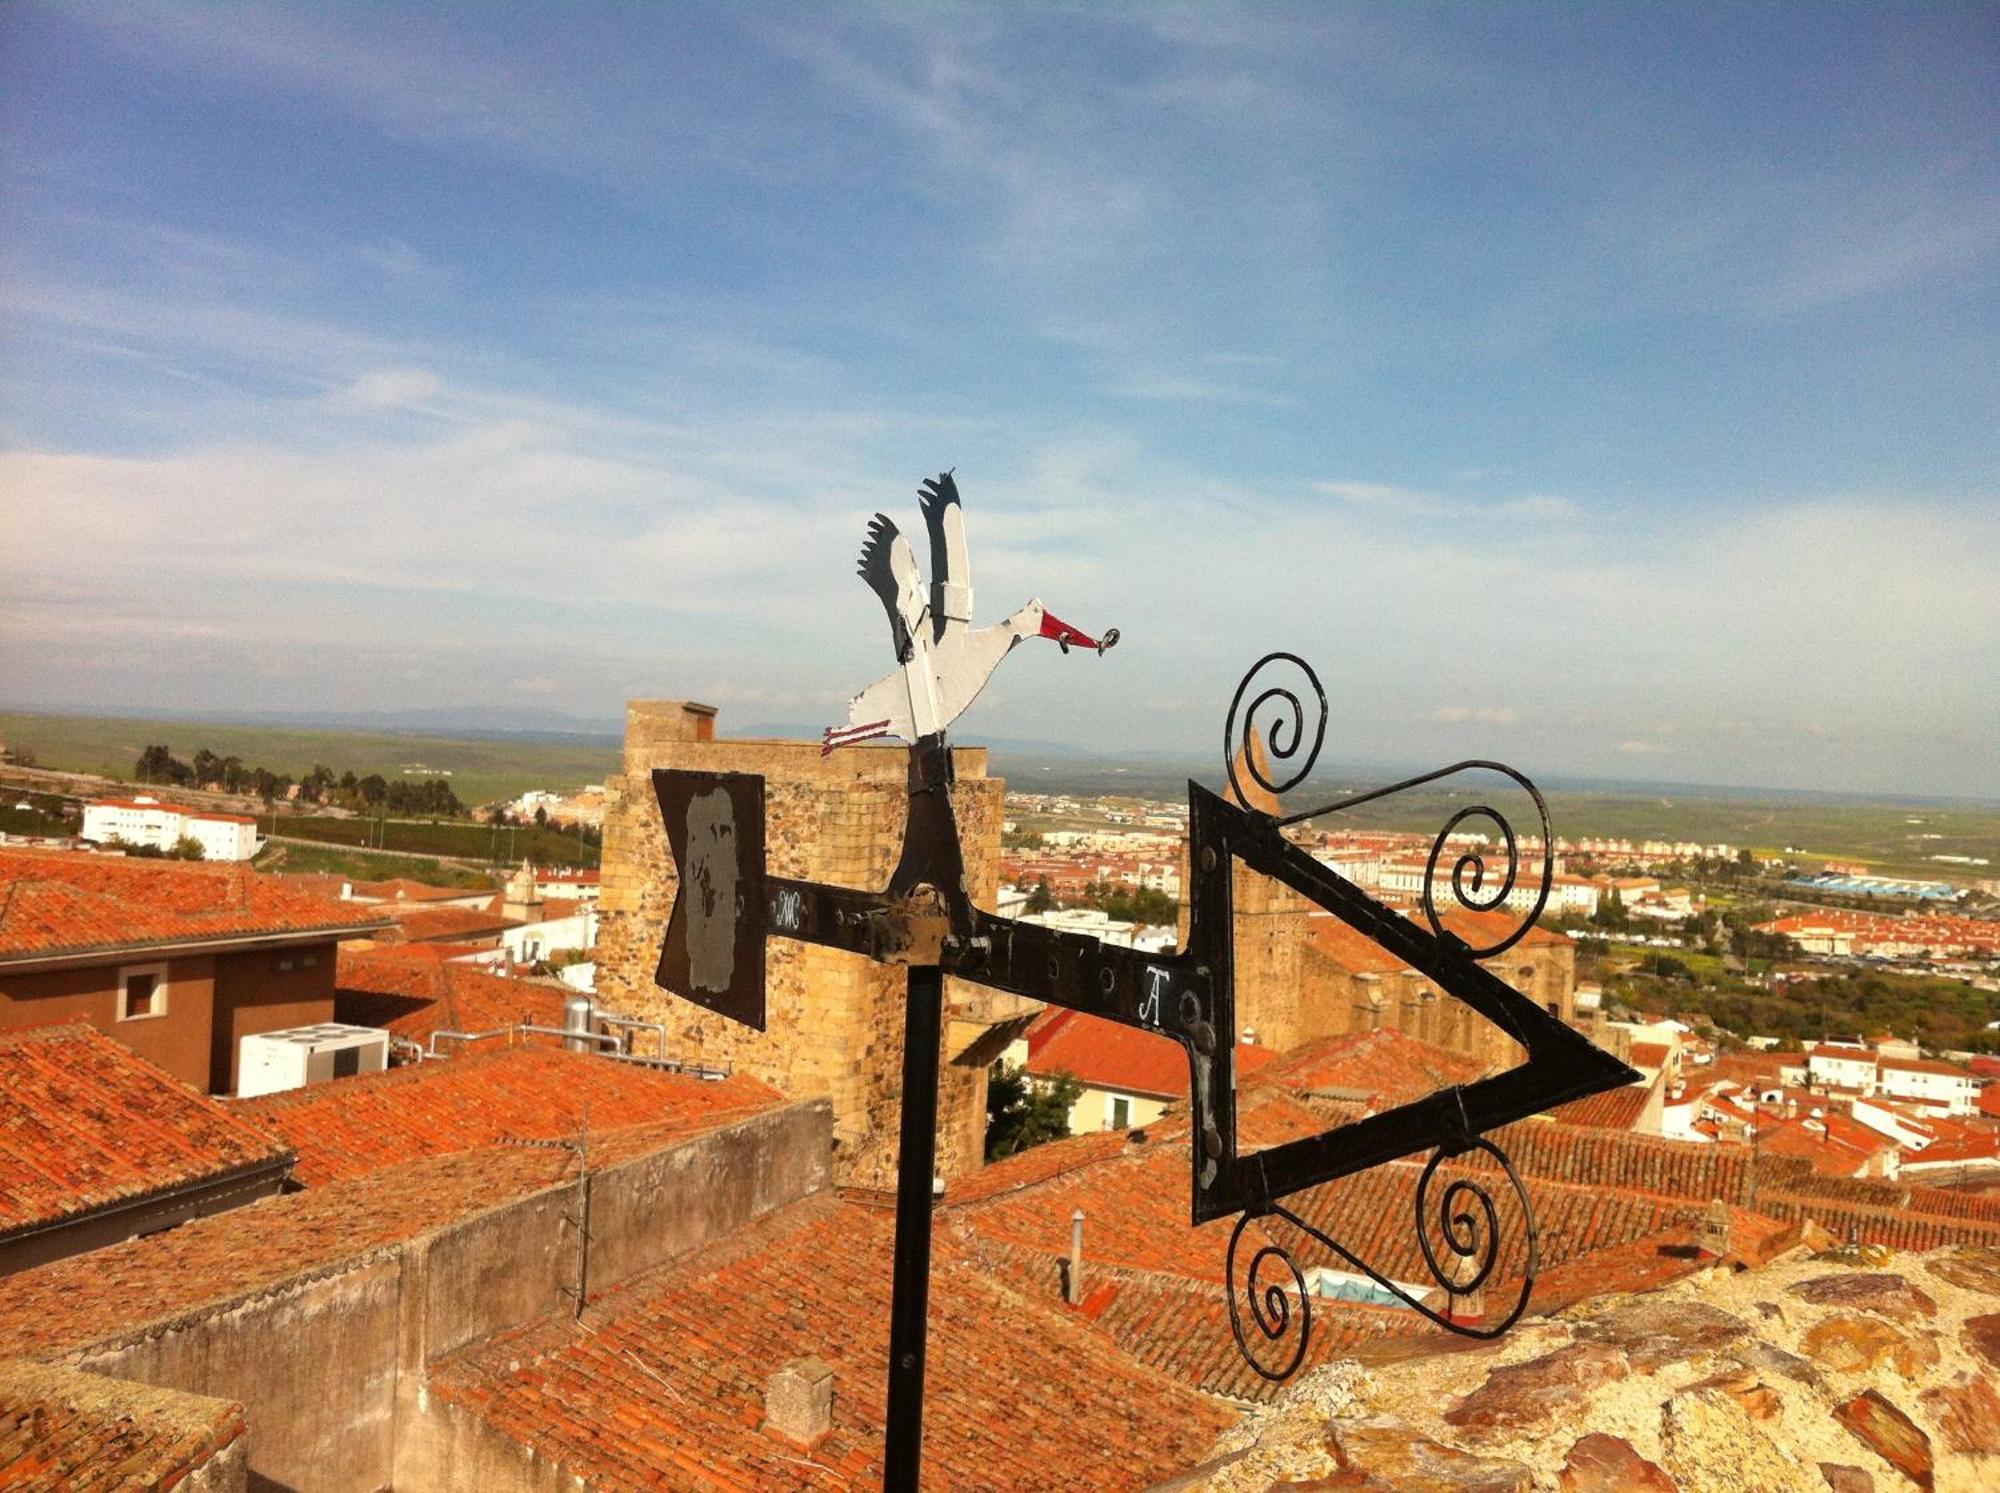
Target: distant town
379 1039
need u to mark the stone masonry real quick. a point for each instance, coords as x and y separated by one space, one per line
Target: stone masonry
835 1026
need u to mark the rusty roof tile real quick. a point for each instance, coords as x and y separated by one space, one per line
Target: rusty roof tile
86 1123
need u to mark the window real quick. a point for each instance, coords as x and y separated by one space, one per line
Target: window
142 992
1121 1112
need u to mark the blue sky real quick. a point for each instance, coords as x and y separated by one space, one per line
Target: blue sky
1608 389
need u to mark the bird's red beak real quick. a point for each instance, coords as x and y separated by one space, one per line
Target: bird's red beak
1065 635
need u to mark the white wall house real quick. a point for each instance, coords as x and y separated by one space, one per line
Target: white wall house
1841 1068
146 821
1951 1089
531 943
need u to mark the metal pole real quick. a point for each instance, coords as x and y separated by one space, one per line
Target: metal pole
909 1304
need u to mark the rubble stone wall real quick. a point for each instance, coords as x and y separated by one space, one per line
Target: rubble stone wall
835 1020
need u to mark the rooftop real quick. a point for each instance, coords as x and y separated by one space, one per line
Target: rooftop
663 1382
65 1429
1104 1054
63 903
86 1124
360 1125
412 990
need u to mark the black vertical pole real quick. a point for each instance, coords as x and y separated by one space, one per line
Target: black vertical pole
909 1306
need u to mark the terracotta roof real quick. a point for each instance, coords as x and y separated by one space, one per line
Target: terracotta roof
1106 1054
411 991
1353 951
361 1125
1386 1065
66 902
1924 1065
62 1428
85 1123
402 889
1614 1109
1482 928
1652 1055
208 815
419 924
663 1384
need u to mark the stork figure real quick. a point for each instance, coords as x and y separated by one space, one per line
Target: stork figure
943 662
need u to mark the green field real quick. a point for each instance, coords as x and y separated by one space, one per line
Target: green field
471 842
481 770
367 865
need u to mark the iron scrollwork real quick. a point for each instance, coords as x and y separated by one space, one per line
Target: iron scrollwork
1461 1242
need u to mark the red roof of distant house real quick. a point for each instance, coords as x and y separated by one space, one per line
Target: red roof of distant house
402 889
421 924
1482 929
63 1428
1843 1148
361 1125
1354 952
1924 1065
1614 1109
1652 1055
1387 1066
1834 1052
86 1124
1109 1055
55 903
412 991
183 810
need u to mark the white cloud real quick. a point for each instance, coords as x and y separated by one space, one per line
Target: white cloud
1486 715
391 389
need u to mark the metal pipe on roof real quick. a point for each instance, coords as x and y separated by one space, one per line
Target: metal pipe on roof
557 1031
498 1031
658 1028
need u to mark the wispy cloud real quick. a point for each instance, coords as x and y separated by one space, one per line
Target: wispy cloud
1386 497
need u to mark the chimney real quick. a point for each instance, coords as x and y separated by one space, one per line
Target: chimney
1073 1274
798 1403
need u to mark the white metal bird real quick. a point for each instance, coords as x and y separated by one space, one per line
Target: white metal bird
942 660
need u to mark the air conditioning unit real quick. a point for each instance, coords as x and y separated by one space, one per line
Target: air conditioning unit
272 1062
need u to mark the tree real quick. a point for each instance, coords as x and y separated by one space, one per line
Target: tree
541 816
374 788
1023 1112
187 848
1041 899
158 765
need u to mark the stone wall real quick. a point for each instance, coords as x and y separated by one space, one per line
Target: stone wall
835 1020
329 1365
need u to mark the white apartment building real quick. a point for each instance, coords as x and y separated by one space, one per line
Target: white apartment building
1951 1089
146 821
1937 1086
1566 893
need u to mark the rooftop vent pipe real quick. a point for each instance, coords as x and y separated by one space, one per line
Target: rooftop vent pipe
578 1017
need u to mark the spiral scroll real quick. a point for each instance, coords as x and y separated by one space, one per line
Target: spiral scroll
1473 1231
1469 874
1469 1220
1270 1308
1283 737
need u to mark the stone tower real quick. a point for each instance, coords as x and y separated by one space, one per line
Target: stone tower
835 1026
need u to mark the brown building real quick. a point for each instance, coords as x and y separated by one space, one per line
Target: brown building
1302 975
177 961
836 1019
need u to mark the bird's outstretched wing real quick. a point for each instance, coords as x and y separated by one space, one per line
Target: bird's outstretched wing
951 565
891 572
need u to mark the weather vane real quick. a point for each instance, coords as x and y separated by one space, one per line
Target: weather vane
727 906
